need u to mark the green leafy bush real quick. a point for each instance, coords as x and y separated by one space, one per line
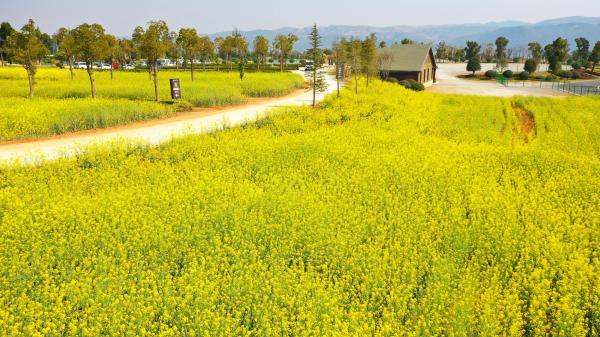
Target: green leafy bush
491 74
524 75
508 74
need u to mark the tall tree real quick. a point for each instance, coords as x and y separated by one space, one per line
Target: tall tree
472 51
227 48
66 47
557 53
353 52
536 51
285 46
126 50
90 46
488 53
441 51
190 45
26 48
112 51
407 41
501 52
582 53
207 49
368 56
595 56
339 59
154 42
315 54
261 50
6 30
241 49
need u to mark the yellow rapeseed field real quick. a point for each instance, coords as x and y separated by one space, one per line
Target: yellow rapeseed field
387 213
64 105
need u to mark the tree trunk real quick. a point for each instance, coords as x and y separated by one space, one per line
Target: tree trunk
71 67
111 69
156 81
337 79
356 83
258 64
192 68
92 83
281 64
1 58
31 78
314 86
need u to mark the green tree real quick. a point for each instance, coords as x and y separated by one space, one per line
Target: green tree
90 46
557 53
474 65
261 50
582 53
66 47
207 49
285 46
501 56
488 53
353 52
382 44
368 56
190 45
227 48
26 48
536 51
531 66
339 59
112 52
154 42
126 50
315 54
241 49
407 41
595 56
6 30
441 51
472 51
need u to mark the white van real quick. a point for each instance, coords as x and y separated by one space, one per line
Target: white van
79 65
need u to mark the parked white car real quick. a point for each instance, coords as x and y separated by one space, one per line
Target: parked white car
79 65
101 66
127 67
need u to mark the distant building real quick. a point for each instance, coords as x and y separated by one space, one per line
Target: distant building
411 61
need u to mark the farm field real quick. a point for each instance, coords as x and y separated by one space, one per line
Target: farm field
387 212
63 105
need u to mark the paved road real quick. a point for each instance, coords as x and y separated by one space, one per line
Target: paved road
158 132
448 82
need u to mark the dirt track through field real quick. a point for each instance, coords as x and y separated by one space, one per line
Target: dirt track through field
200 120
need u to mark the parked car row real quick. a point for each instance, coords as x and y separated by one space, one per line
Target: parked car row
102 66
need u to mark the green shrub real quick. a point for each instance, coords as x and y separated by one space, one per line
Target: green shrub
412 85
575 75
393 80
524 75
551 78
576 65
508 74
491 74
531 66
564 74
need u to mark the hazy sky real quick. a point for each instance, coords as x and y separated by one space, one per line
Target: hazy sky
120 16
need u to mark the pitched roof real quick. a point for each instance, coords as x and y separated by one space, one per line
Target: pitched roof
408 57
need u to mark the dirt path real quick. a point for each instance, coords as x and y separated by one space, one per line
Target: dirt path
199 120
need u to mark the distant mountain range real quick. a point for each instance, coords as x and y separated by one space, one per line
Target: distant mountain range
519 33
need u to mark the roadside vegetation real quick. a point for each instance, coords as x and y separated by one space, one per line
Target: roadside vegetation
382 211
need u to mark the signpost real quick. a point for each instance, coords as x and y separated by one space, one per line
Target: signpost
175 88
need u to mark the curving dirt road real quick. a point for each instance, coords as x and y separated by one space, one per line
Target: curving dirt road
156 131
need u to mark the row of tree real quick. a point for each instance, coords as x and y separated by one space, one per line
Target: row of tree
556 54
90 43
